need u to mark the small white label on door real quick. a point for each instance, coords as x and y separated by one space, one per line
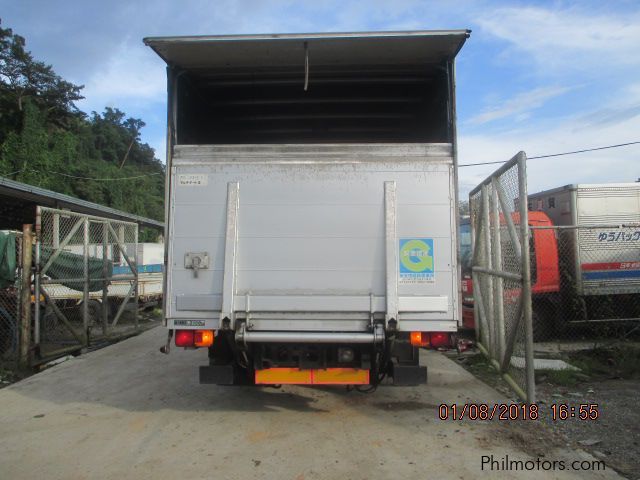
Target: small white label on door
193 179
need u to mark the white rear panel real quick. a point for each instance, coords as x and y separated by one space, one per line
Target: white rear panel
313 236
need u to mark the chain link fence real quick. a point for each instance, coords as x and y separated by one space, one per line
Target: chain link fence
500 271
87 279
10 293
585 286
581 283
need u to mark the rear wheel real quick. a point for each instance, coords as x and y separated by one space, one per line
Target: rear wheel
543 317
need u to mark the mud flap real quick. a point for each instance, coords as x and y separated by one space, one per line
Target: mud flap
408 375
217 374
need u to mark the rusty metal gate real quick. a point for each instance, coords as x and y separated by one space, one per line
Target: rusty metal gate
86 276
501 274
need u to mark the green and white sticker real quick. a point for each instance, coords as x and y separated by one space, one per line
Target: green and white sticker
417 260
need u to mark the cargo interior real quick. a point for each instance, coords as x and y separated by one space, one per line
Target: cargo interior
345 104
296 89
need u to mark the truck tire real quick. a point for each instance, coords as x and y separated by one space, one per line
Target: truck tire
543 318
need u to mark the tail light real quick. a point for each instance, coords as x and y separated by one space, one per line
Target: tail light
194 338
203 338
430 339
419 339
440 339
184 338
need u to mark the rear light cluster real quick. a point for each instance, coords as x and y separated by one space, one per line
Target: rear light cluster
430 339
194 338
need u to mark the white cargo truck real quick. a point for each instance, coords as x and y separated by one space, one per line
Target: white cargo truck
311 204
604 259
598 251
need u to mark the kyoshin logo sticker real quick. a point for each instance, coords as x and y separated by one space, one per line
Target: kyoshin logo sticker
417 260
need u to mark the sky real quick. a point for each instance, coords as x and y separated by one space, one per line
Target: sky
542 77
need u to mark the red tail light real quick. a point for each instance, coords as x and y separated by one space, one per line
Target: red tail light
184 338
440 339
194 338
430 339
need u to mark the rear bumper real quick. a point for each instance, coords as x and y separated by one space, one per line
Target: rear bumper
403 375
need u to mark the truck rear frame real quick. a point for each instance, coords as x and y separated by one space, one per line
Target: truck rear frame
311 178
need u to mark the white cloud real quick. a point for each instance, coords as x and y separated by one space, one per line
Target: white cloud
575 133
130 76
570 45
568 39
520 105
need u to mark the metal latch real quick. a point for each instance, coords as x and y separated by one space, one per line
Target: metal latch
196 261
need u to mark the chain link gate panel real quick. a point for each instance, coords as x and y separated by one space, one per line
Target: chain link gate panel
501 274
588 293
10 293
87 279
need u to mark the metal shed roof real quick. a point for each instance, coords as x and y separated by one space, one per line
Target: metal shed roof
232 52
20 197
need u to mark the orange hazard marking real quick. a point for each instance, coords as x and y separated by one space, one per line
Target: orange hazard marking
283 376
329 376
341 376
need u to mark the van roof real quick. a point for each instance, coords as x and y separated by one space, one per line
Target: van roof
237 52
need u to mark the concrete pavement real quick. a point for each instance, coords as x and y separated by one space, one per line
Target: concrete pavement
127 411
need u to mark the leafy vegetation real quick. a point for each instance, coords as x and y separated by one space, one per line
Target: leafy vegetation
46 141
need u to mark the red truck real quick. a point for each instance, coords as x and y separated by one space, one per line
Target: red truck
585 257
545 274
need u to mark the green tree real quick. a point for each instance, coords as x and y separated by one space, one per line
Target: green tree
46 141
22 77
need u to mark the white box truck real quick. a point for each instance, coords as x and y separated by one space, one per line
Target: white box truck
311 204
604 260
598 251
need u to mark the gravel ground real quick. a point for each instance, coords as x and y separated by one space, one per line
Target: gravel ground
614 437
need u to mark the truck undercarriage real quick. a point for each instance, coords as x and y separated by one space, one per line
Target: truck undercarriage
312 363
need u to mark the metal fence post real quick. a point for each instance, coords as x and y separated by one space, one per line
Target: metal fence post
526 277
137 278
488 280
496 249
121 242
475 244
105 280
55 241
36 281
25 296
85 296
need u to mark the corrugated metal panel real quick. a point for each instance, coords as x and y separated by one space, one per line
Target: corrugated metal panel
608 203
48 198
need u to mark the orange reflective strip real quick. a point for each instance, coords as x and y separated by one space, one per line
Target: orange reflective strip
295 376
341 376
283 376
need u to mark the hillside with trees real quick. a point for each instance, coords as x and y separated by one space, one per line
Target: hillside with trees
45 140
